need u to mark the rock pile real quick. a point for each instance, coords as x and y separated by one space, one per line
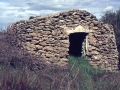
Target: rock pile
48 36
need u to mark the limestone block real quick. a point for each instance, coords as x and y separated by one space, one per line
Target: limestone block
62 53
32 45
41 51
92 47
92 25
99 25
75 22
68 20
35 41
49 48
88 18
28 44
39 47
64 41
61 21
47 29
32 34
36 38
46 32
43 44
64 45
92 40
49 55
64 59
44 38
95 28
54 32
28 48
106 27
95 22
88 23
95 52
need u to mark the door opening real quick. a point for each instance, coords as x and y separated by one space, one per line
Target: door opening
77 44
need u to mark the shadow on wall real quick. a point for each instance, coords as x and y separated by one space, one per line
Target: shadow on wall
119 61
76 41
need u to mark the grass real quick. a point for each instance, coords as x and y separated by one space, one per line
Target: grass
85 70
20 70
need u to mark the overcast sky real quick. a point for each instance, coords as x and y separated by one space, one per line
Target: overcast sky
15 10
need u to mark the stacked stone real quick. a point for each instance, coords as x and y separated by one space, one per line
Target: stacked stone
45 36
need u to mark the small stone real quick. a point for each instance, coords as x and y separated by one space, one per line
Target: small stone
95 28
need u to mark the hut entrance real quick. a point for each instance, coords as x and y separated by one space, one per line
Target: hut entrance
77 44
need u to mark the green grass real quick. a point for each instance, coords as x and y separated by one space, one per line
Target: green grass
83 65
85 70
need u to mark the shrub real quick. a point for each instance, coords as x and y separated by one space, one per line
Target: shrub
11 54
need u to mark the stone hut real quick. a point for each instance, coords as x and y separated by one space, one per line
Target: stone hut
73 32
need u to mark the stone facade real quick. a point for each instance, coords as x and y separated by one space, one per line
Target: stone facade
56 36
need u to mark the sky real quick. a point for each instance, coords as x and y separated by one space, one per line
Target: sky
12 11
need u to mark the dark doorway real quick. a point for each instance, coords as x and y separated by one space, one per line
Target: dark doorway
76 41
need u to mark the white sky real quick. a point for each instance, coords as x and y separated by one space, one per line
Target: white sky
15 10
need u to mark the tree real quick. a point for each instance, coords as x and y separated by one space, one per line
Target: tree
113 18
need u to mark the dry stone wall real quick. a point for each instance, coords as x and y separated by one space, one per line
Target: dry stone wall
48 37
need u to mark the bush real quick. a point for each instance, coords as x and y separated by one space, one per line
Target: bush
12 55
